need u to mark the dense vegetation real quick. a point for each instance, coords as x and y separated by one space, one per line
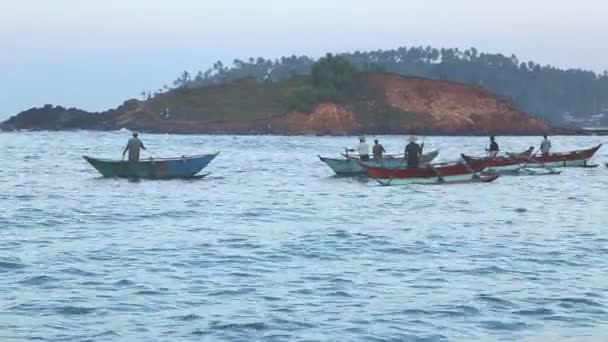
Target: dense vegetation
332 79
544 91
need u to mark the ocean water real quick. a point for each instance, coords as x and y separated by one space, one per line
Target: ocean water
271 247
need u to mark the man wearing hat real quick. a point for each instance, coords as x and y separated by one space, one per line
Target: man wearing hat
413 151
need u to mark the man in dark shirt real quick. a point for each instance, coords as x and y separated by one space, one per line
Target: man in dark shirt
493 150
413 151
378 149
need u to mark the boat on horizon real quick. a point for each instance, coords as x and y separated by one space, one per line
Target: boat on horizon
151 168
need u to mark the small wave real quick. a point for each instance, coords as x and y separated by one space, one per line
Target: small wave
91 283
124 282
77 271
240 274
457 311
396 250
413 312
478 270
10 265
232 292
149 292
495 301
560 318
286 324
340 234
341 281
498 325
75 310
238 326
106 333
37 280
570 302
190 317
534 312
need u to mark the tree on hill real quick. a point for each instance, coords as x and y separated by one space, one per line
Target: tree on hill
332 79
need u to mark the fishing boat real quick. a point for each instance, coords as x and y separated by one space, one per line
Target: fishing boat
454 172
164 168
514 161
349 166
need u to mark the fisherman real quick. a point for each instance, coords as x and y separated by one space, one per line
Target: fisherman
413 151
493 150
133 147
363 149
378 149
545 146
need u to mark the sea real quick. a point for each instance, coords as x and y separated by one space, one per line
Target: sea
271 246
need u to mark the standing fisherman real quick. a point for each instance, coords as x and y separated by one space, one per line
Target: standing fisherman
413 151
133 146
377 150
545 146
363 149
493 150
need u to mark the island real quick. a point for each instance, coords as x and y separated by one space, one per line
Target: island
334 99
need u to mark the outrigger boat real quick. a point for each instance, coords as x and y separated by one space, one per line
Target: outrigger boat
443 173
514 161
165 168
350 165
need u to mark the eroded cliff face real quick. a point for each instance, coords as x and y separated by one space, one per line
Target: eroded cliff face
453 108
327 118
382 103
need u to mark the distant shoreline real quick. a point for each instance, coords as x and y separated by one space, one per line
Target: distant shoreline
566 134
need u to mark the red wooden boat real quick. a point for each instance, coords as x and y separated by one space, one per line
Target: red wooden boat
513 161
431 173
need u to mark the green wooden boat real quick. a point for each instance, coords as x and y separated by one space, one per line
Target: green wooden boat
165 168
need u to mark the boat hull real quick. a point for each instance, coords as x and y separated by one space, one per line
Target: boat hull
185 167
438 173
350 166
514 162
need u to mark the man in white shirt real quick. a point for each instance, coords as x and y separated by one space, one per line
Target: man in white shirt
363 149
545 146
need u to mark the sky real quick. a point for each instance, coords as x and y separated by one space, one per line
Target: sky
94 54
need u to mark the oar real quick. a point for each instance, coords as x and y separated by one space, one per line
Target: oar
439 177
346 151
422 146
470 169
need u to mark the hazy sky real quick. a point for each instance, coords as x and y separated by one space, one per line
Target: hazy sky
94 54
